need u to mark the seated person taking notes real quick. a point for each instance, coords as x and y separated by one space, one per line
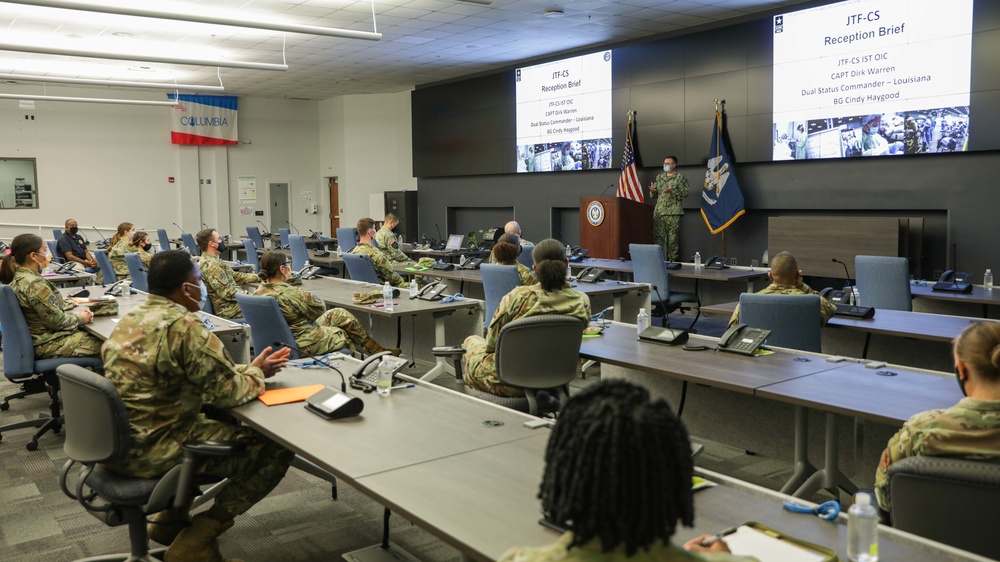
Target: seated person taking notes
786 279
220 280
505 252
968 430
121 244
316 330
56 325
387 242
617 477
551 295
167 366
383 267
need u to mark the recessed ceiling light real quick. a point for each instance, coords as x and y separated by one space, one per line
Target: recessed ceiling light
554 13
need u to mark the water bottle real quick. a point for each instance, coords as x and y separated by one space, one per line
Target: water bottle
387 297
413 288
126 289
461 260
340 252
641 321
569 251
988 280
384 385
697 259
862 530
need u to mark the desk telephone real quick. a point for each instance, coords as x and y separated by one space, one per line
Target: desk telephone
472 263
954 282
590 275
65 267
716 262
577 254
431 291
841 300
307 272
743 339
365 377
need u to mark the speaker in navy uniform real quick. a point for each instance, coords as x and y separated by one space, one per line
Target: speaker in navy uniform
403 204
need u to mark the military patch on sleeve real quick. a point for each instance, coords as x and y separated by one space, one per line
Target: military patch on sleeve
53 300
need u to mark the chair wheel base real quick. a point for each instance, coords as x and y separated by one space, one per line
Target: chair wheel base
5 406
31 446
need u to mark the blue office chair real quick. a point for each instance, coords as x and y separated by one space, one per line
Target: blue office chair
524 258
375 244
107 270
360 268
794 320
300 255
267 324
54 251
57 234
137 271
161 235
252 257
189 243
498 280
34 376
254 233
283 237
648 266
883 282
347 239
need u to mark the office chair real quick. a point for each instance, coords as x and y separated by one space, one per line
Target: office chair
107 270
254 233
54 252
794 320
34 376
883 282
57 234
524 258
537 353
923 489
498 280
283 237
252 257
649 267
161 235
267 324
98 433
137 271
300 255
346 239
375 244
188 240
360 268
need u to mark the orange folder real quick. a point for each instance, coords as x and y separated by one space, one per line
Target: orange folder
289 395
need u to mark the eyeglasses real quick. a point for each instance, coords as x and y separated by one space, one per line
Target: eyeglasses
457 297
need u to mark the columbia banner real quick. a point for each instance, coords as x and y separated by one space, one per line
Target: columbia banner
200 119
721 200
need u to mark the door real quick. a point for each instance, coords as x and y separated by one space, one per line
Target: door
278 193
335 209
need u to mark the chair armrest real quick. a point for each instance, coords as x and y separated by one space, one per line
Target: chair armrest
452 352
211 448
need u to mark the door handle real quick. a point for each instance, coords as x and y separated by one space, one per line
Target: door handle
337 217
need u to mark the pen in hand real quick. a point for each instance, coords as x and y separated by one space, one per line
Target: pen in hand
716 538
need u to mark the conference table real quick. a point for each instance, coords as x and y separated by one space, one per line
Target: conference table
686 271
468 471
340 293
74 277
331 259
978 295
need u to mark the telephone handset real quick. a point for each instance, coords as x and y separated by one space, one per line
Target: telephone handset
954 282
716 262
368 366
66 267
307 272
117 289
472 263
431 291
836 297
743 339
365 376
590 275
578 254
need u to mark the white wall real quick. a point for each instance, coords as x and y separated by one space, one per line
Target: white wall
104 164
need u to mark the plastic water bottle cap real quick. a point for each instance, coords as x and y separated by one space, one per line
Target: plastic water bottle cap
863 499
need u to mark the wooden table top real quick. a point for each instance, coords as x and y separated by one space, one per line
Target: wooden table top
619 345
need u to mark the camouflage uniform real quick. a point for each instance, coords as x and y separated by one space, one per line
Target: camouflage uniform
826 308
383 268
526 275
223 283
592 552
144 256
668 212
167 366
968 430
117 256
389 246
477 363
54 331
315 331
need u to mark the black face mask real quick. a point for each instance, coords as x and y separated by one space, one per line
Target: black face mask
147 247
74 230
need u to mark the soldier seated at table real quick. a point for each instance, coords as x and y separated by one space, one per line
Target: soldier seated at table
220 280
786 279
382 265
505 252
387 242
617 477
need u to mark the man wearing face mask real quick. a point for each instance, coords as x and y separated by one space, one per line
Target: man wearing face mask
221 282
72 247
167 366
669 190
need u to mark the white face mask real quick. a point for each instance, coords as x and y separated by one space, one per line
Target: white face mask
666 168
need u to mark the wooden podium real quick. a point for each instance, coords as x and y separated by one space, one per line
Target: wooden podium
609 224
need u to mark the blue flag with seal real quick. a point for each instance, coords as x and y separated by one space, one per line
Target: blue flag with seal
721 200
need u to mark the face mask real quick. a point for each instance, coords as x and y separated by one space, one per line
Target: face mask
204 294
147 247
74 230
666 168
45 262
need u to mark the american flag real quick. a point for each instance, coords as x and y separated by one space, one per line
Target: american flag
628 182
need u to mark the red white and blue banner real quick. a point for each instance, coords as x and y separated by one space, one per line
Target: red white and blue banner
201 119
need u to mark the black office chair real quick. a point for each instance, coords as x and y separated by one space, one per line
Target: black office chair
97 432
951 501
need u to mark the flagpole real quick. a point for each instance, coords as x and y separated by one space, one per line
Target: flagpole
718 141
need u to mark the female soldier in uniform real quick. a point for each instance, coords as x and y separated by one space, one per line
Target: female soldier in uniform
121 244
54 324
551 295
142 246
316 332
505 252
